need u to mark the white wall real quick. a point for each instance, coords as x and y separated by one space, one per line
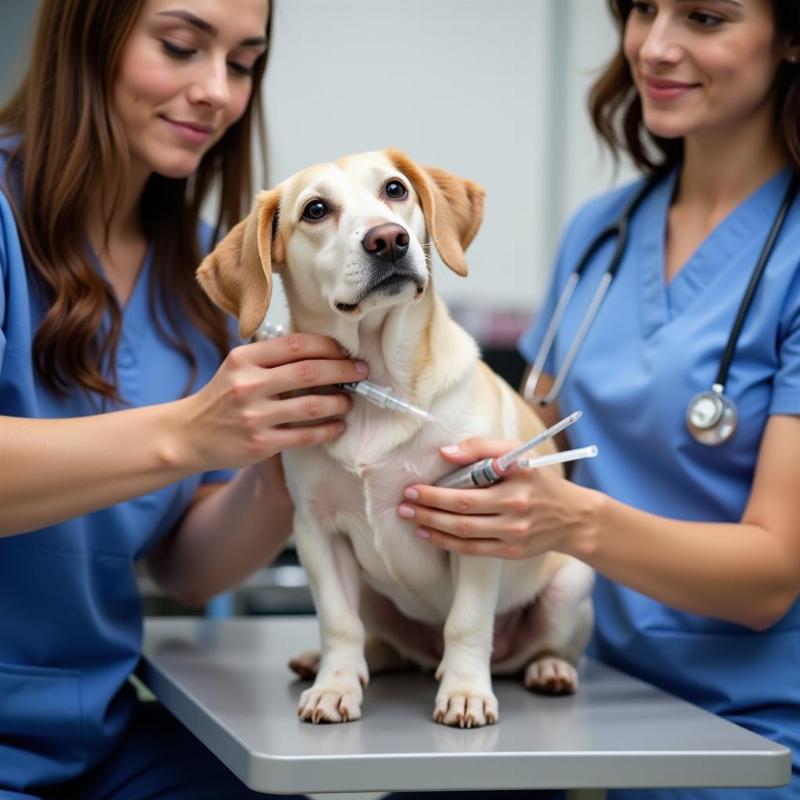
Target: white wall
491 89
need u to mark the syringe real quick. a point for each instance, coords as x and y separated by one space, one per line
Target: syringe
558 458
491 470
268 330
380 396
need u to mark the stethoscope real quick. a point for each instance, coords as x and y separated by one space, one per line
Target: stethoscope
711 416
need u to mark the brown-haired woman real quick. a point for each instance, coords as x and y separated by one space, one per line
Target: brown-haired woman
691 524
122 413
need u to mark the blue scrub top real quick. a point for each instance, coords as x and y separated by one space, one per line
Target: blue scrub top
70 610
651 348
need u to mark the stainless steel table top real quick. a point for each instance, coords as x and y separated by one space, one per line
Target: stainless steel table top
229 684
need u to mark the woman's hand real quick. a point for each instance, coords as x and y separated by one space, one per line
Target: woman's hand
526 514
242 416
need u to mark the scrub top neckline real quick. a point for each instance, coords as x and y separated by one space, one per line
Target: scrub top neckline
728 242
138 281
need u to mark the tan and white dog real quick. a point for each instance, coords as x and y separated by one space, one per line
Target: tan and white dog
348 240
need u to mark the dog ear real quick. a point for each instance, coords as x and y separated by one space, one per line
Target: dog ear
237 273
453 207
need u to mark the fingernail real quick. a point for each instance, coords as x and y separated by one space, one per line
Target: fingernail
361 368
406 511
450 449
423 534
411 494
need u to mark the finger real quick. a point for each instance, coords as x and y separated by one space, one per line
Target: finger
307 374
458 501
476 448
309 407
474 526
467 547
285 349
306 436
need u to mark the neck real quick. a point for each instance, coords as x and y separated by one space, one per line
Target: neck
104 221
402 345
723 170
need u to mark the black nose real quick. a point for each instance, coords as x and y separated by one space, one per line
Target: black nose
387 242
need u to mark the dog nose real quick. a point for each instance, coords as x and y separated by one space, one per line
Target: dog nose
387 242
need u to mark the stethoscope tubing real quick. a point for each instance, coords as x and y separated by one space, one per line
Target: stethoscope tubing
750 292
619 228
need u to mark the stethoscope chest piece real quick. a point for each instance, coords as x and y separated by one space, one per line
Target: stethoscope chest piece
712 417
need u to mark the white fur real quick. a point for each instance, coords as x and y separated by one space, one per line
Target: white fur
346 493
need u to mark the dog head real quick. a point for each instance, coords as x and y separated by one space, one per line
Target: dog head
348 238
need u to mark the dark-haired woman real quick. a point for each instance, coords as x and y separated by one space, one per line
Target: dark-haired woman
122 413
695 534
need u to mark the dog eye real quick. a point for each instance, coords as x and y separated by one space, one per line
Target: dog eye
395 190
315 210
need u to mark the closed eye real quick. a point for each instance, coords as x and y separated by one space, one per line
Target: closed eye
176 51
183 53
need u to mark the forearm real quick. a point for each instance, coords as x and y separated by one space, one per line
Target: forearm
737 572
226 536
56 469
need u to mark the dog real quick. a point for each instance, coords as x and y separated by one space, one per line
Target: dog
349 240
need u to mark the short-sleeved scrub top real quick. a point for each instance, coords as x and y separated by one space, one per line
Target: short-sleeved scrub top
651 348
70 610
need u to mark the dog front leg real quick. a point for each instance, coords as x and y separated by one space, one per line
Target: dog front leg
465 697
333 576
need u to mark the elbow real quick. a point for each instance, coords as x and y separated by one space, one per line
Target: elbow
772 611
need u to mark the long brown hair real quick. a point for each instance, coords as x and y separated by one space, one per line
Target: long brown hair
616 109
60 119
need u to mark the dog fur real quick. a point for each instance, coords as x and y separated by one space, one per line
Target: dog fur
380 591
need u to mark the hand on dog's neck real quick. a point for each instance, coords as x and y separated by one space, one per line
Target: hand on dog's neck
403 345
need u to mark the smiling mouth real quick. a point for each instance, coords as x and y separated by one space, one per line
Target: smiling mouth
391 285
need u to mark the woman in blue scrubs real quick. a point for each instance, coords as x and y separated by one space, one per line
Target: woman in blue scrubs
122 414
696 547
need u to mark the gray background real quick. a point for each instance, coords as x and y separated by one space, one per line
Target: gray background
491 89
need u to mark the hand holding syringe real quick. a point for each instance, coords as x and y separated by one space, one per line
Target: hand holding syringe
488 471
380 396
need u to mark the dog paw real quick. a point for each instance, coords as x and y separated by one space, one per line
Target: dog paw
466 710
330 704
306 665
551 675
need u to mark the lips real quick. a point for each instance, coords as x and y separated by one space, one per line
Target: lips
190 131
390 285
663 89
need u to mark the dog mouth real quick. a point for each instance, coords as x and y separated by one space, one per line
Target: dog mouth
389 285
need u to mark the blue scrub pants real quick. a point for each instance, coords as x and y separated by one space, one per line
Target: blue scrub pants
157 759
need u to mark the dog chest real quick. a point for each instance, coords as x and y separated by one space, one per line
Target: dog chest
361 504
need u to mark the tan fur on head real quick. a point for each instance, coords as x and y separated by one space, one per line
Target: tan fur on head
237 274
453 207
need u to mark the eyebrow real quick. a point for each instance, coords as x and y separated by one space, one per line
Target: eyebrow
207 27
733 3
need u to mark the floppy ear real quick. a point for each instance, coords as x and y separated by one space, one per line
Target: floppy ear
453 207
237 273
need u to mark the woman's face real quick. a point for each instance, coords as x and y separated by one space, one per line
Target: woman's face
185 78
703 66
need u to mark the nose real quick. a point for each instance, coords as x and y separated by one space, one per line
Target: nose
211 86
661 44
388 242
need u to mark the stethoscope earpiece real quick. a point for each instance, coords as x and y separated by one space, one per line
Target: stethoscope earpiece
711 417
